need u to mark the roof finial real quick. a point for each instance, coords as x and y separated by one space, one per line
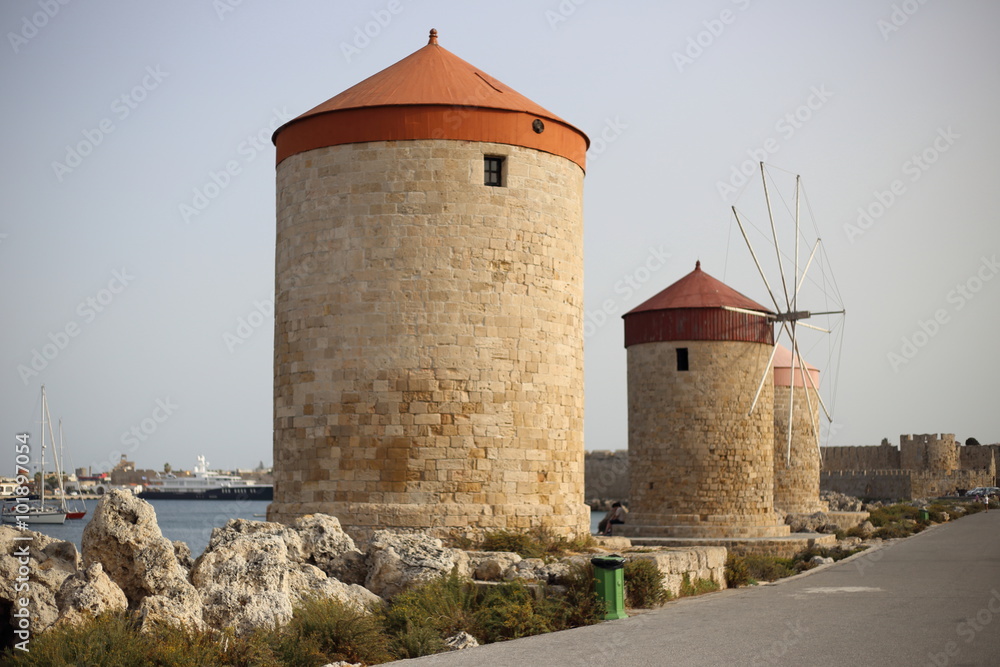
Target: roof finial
697 265
434 36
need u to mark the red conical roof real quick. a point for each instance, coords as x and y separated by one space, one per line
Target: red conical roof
431 94
698 290
694 308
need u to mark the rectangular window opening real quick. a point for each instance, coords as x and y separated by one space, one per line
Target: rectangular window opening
493 171
682 358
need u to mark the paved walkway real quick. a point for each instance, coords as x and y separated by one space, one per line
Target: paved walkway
931 599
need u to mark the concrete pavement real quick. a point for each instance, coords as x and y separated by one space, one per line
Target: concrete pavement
931 599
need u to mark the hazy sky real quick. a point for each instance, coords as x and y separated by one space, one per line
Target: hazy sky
137 244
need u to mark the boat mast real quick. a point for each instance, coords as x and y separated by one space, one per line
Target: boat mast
41 493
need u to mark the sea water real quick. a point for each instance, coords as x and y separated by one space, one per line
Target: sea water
192 521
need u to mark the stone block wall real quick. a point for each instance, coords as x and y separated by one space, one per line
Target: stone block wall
978 458
872 484
881 457
929 452
694 562
929 484
606 475
796 470
707 467
428 339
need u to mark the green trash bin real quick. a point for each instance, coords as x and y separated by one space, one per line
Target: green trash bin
925 515
609 582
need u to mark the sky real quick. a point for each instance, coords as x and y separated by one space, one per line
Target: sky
137 243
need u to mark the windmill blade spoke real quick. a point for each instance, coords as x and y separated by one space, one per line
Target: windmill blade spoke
763 380
809 262
774 236
816 389
791 401
755 260
813 326
747 311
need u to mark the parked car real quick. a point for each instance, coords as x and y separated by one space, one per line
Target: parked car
983 491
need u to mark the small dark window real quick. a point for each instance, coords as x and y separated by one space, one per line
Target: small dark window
493 170
682 358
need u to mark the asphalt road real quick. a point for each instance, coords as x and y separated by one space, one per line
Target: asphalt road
931 599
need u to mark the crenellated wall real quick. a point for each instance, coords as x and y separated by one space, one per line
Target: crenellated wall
882 457
929 452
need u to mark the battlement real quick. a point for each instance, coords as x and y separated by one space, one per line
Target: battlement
926 439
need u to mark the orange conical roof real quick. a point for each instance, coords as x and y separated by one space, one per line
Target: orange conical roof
698 290
432 75
431 94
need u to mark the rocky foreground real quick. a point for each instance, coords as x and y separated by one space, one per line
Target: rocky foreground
250 576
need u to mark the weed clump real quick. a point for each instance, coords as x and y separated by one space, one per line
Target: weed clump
644 585
325 630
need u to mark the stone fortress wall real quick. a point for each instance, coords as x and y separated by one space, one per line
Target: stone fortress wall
923 466
861 471
607 477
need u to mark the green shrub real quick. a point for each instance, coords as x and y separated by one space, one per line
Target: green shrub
536 543
324 630
523 544
580 605
697 587
442 607
414 641
751 568
507 611
110 640
644 584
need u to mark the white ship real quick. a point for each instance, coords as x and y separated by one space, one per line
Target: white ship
205 484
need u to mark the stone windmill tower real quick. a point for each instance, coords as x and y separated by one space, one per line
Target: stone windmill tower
429 304
796 461
702 464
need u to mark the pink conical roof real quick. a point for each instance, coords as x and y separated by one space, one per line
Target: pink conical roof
783 360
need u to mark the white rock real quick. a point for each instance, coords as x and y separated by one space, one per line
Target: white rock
88 593
50 562
252 575
397 561
124 538
461 641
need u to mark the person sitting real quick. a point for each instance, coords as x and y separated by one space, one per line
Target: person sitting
615 516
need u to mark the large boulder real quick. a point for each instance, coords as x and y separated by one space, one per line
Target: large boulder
491 565
806 523
34 566
328 547
253 573
124 538
397 561
87 593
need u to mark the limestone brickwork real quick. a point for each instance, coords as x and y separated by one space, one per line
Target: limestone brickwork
929 452
428 338
707 466
881 457
924 466
796 469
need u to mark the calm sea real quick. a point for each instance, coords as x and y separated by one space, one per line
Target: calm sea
192 521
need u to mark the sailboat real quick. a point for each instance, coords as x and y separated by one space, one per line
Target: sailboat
36 511
75 512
